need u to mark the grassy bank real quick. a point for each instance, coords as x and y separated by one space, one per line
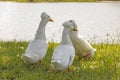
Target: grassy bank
104 66
51 0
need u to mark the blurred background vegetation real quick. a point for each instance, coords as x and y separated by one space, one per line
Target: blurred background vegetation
57 0
51 0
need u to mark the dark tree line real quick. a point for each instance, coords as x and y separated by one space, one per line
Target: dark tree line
30 0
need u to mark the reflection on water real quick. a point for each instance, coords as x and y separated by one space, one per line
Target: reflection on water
20 20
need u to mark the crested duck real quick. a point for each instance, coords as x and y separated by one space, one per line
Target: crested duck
63 54
37 48
82 47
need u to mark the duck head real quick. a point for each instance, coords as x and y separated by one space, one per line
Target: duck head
67 25
73 24
46 17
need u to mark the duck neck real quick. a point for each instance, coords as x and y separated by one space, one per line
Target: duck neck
65 37
41 30
73 33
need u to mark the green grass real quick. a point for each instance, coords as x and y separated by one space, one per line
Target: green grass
104 66
51 0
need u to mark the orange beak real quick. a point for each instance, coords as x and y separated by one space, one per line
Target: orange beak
51 20
75 29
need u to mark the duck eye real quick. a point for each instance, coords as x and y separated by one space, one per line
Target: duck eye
70 21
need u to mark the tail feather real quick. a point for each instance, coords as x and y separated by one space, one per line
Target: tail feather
27 59
95 49
56 65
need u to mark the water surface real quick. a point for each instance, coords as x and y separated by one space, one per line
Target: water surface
20 20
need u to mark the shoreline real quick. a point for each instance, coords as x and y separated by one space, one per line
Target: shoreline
63 2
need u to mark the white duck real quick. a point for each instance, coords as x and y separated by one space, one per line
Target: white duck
63 55
37 49
82 47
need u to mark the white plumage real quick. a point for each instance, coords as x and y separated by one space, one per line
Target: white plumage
63 55
82 47
37 49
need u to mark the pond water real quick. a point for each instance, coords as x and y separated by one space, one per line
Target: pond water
95 20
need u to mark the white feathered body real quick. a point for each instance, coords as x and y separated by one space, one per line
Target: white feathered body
63 57
35 51
82 46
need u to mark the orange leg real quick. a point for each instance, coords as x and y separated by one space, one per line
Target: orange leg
66 70
87 56
79 57
40 61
